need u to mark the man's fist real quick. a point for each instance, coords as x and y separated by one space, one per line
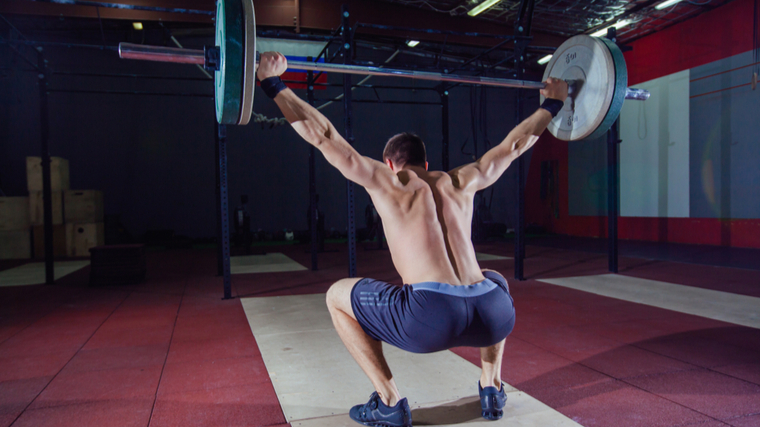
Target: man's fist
555 89
271 64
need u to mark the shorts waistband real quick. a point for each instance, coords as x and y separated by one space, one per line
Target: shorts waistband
474 290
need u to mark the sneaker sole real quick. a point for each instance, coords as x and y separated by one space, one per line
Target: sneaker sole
493 415
382 424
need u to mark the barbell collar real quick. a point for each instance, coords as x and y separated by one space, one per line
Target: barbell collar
197 56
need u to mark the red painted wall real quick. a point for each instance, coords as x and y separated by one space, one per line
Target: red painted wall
718 34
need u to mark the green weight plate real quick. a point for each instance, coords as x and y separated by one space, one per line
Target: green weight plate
621 83
249 67
228 79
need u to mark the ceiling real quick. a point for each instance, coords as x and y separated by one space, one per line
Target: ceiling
571 17
101 22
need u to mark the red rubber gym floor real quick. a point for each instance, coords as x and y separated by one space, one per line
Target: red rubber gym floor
171 352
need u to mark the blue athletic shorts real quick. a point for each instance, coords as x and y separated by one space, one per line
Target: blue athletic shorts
430 316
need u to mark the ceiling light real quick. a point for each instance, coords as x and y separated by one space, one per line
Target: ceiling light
603 31
482 6
665 4
412 43
137 26
545 59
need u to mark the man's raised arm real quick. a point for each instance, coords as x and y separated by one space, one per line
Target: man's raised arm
314 127
487 169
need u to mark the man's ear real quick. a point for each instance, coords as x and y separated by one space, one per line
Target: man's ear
426 165
389 162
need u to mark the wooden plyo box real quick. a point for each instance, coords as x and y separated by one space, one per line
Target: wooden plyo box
14 214
81 237
59 241
59 174
37 208
15 244
83 206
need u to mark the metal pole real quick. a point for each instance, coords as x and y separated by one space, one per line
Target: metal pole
347 52
445 128
520 46
196 56
219 234
613 196
223 208
313 209
47 187
613 190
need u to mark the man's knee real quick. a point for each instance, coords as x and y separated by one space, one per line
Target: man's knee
339 295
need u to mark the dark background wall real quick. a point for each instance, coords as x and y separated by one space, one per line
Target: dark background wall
153 156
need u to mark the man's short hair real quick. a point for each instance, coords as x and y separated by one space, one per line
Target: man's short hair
405 149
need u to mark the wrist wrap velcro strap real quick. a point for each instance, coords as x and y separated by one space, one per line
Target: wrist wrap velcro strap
272 86
553 106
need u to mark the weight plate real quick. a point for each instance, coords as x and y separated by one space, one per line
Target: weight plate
589 62
618 96
228 79
249 69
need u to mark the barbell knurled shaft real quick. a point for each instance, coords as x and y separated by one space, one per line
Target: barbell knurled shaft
196 56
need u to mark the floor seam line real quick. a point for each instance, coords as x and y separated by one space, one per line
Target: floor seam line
671 401
32 323
166 358
72 358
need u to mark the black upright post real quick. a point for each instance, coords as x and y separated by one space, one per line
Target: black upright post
520 46
219 245
224 207
47 188
347 53
523 25
313 209
444 92
613 188
613 196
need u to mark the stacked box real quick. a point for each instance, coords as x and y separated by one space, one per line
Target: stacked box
83 206
59 174
14 213
15 236
59 241
81 237
37 208
117 265
15 244
77 214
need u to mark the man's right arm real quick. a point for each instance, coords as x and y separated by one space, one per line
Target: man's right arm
486 170
317 130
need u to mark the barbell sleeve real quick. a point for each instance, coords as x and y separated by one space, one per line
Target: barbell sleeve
197 56
161 54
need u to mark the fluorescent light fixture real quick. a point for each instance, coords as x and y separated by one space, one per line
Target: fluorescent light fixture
412 43
618 25
137 26
667 3
545 59
482 6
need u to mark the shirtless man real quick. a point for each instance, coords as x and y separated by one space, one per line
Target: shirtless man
449 301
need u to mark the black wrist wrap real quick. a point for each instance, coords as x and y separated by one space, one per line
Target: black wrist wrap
272 86
553 106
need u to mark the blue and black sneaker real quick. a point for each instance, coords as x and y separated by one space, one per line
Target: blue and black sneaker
376 413
492 402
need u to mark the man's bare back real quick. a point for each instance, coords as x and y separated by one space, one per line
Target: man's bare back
426 219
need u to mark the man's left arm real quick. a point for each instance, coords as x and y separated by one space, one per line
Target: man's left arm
317 130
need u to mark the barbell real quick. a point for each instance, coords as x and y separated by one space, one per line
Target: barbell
593 67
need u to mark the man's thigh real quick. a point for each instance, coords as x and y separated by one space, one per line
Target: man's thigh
339 295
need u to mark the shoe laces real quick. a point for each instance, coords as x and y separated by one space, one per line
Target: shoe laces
371 405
